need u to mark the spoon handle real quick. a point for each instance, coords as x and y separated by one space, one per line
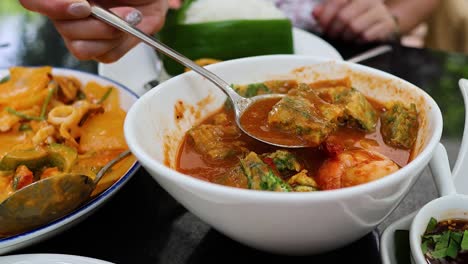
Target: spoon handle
115 21
111 163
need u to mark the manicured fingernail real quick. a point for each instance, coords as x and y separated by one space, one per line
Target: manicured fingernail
79 9
134 17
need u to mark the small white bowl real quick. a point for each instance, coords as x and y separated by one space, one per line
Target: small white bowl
127 99
285 223
451 205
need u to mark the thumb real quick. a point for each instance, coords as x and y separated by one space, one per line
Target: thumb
59 9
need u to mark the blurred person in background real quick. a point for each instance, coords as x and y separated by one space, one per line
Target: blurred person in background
351 20
359 20
447 29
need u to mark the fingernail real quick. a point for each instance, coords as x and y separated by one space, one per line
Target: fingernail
134 17
79 9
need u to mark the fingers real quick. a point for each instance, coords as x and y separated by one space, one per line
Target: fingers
80 29
367 20
382 31
117 52
364 21
90 38
59 9
327 12
89 49
148 25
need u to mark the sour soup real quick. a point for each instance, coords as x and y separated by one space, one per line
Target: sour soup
351 139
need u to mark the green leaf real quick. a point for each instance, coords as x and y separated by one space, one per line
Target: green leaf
431 225
438 254
453 248
444 241
464 242
457 236
424 246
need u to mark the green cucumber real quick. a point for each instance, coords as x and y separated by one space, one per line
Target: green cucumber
224 40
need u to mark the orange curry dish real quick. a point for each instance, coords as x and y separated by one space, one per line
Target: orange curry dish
351 139
52 124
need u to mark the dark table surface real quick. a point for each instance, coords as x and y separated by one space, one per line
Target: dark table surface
143 224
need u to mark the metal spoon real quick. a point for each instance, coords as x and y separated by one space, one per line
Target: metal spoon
240 103
48 199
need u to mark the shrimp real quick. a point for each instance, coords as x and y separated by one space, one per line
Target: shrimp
353 167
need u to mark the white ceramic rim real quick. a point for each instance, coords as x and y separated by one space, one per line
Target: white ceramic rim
50 259
434 208
279 197
89 206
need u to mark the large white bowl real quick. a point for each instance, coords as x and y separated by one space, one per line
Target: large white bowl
127 98
286 223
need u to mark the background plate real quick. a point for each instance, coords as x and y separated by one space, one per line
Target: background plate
49 259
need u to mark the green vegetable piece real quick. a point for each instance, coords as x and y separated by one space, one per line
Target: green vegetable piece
303 183
22 115
31 158
464 242
50 93
431 225
104 97
444 241
80 95
61 156
304 114
359 113
24 127
260 176
400 125
252 89
457 237
438 254
223 40
424 246
284 161
5 79
453 248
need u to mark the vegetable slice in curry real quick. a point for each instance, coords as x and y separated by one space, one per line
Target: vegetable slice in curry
349 135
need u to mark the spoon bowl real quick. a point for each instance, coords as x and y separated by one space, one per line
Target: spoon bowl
48 199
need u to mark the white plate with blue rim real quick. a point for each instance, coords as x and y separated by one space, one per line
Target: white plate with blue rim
141 65
127 98
49 259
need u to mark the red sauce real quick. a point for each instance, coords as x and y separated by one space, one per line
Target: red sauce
190 162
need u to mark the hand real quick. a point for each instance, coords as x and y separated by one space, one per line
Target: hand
88 38
361 20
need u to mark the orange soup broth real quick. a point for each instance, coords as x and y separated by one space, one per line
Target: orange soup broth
190 162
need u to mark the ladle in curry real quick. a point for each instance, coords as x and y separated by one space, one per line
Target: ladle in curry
48 199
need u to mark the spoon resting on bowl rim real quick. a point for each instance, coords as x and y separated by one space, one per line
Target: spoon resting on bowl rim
48 199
